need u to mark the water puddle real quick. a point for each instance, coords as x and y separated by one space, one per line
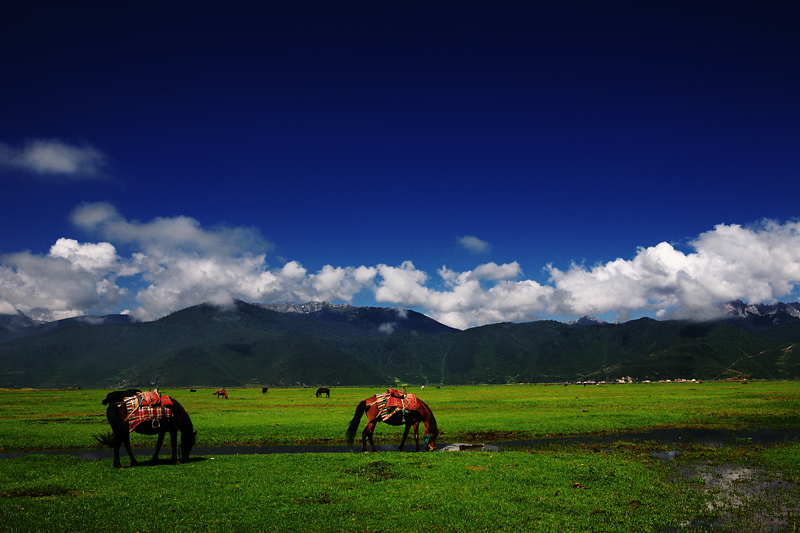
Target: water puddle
470 446
742 498
713 438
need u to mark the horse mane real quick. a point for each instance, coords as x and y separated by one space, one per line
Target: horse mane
119 395
430 420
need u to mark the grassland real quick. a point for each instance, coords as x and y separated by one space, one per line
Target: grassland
624 487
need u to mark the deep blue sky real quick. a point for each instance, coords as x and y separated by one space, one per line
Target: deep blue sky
374 134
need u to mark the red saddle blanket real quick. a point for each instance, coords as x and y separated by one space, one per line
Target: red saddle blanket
394 399
147 406
149 414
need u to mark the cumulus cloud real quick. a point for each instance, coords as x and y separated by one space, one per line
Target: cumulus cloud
90 257
474 245
50 157
167 264
465 301
53 287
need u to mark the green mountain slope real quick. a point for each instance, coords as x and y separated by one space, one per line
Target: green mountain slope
250 345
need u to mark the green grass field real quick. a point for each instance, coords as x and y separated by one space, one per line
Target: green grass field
623 487
51 420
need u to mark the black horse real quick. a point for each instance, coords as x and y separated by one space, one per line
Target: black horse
116 412
323 390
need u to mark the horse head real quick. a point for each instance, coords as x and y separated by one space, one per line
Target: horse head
119 395
187 443
430 439
431 429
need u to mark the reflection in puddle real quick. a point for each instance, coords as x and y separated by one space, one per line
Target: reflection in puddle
463 447
668 455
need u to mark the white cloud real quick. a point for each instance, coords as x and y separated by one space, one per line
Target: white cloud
52 287
465 302
163 236
91 257
49 157
474 245
496 272
755 264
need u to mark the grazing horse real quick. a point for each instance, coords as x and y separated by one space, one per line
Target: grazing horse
323 390
221 392
264 390
375 407
176 420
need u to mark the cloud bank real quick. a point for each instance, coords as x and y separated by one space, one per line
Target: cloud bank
174 263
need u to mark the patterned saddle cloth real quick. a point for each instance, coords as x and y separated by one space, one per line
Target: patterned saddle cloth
393 399
148 406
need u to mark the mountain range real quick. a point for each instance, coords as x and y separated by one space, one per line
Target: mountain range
318 343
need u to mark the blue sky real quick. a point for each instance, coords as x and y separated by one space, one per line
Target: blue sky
506 162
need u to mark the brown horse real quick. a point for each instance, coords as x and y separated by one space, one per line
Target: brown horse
221 392
323 390
374 407
177 420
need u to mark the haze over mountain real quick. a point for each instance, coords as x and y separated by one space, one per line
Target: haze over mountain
322 344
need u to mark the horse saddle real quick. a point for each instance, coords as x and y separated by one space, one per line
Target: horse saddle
394 399
147 406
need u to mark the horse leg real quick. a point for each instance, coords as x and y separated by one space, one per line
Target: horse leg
127 442
416 435
117 445
367 434
405 436
159 443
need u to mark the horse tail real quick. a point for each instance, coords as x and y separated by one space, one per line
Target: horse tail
351 430
105 440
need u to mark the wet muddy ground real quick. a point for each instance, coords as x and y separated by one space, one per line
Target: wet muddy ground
742 498
714 438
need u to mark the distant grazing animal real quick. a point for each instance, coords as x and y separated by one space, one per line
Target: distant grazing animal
323 390
158 419
394 408
264 390
221 392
